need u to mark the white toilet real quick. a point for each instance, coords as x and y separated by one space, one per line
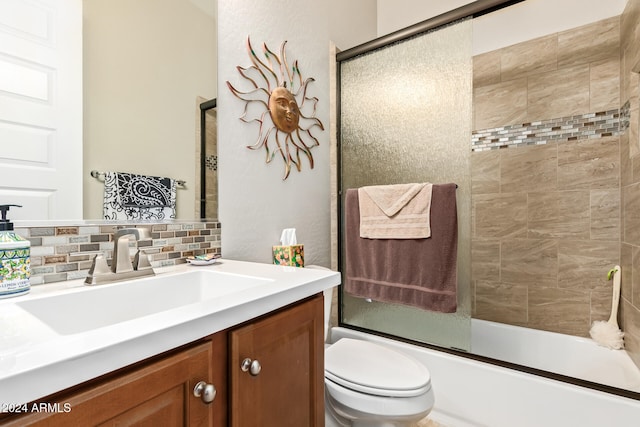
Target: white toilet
370 385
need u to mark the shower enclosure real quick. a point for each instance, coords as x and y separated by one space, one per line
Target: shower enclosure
540 136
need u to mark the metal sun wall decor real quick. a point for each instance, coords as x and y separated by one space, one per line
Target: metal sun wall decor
279 93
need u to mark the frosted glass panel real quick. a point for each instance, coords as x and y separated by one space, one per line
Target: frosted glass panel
406 117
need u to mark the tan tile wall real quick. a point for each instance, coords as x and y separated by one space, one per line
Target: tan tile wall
211 174
562 74
544 236
546 218
630 181
60 253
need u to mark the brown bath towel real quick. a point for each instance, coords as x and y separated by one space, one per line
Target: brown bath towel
416 272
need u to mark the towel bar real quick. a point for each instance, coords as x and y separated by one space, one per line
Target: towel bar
99 175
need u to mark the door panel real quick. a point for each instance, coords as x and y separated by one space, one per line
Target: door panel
41 108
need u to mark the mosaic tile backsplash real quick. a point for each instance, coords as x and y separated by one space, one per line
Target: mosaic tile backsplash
60 253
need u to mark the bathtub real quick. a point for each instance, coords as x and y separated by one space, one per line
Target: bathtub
562 354
471 393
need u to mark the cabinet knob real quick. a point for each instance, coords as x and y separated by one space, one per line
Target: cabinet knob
207 392
252 366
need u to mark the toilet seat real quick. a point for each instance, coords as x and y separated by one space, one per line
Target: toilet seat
376 370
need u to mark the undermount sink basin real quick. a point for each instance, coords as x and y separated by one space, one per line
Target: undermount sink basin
105 305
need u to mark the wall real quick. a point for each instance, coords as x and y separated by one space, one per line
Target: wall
352 22
545 174
145 63
630 181
255 202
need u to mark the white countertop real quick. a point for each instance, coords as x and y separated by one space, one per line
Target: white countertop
36 361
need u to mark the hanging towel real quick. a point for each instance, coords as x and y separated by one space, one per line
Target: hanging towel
398 211
416 272
130 196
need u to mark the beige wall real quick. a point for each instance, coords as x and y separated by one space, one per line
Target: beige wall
255 202
630 181
352 22
546 227
145 63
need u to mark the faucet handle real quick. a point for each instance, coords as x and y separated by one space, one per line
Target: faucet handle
141 260
99 267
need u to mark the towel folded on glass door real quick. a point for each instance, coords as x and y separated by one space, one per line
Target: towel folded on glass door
399 211
129 196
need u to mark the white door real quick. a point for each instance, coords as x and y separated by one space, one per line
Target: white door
41 108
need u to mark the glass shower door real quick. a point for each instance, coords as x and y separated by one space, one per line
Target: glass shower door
405 117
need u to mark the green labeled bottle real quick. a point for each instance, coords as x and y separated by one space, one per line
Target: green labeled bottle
14 259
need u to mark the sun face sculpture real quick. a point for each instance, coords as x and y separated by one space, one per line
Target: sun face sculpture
278 101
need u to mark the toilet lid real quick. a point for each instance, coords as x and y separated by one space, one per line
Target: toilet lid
375 369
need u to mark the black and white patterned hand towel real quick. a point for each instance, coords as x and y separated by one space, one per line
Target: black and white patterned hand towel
130 196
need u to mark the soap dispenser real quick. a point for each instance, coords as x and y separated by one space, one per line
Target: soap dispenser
14 259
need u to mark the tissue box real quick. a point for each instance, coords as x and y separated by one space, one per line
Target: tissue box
292 255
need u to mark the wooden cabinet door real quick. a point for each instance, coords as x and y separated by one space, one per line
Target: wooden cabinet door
159 394
289 389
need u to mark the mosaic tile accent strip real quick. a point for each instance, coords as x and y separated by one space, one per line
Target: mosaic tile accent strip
211 162
60 253
625 117
585 126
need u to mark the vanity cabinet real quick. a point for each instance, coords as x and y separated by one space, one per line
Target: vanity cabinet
277 369
266 372
158 394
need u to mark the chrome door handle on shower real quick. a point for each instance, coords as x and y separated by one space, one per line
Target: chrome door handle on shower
251 366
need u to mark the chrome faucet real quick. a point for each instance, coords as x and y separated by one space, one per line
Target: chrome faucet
121 266
121 261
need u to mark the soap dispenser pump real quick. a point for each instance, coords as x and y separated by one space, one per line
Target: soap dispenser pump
15 254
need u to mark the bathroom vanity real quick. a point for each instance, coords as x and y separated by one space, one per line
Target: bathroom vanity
249 355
